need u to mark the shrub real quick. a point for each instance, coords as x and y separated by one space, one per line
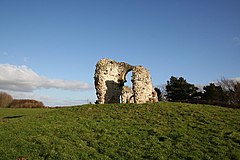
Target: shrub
26 103
5 99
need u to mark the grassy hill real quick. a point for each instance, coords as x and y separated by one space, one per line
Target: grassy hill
121 131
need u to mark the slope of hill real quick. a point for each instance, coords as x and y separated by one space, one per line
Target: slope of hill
121 131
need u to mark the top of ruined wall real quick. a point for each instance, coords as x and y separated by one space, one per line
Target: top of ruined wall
110 69
109 78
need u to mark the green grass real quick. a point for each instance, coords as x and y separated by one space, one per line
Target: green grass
121 131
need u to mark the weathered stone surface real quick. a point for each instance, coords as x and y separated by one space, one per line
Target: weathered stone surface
142 86
110 77
127 95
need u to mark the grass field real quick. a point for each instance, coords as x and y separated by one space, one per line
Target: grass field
121 131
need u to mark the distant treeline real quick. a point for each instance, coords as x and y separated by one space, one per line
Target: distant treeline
224 93
6 101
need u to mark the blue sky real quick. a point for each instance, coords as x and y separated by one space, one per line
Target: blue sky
49 48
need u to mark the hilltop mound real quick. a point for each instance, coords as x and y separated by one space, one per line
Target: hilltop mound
121 131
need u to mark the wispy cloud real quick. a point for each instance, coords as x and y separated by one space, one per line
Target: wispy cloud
236 41
26 59
5 54
24 79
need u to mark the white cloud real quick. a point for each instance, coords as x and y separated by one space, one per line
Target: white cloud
24 79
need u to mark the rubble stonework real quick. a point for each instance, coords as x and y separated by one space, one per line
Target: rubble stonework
110 77
127 95
142 86
109 80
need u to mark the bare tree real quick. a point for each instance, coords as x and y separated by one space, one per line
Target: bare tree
232 90
163 92
5 99
226 84
237 94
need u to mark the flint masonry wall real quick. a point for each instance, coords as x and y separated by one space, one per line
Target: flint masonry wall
110 77
127 95
142 86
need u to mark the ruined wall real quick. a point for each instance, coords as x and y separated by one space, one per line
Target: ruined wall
142 86
110 77
127 95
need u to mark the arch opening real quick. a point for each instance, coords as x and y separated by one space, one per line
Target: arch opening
127 92
128 79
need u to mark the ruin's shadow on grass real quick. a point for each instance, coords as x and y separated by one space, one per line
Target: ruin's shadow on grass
12 117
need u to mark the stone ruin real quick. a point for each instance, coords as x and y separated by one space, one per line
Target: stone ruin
110 77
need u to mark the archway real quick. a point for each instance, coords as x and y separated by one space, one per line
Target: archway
126 91
128 78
